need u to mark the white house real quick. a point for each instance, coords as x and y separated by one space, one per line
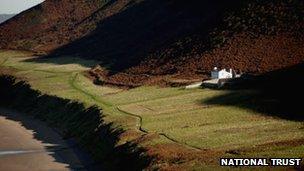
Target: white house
220 78
221 74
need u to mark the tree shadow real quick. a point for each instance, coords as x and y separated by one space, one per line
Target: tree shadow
277 93
74 121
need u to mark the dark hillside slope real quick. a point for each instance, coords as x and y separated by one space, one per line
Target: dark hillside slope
250 36
153 41
127 37
47 25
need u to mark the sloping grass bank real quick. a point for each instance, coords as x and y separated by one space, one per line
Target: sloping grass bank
74 120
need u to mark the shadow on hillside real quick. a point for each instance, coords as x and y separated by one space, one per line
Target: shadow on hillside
85 125
126 38
278 93
62 60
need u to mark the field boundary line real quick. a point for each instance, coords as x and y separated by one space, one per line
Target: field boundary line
139 118
74 86
161 134
154 99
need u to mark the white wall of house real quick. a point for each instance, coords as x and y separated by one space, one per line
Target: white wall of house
214 74
221 74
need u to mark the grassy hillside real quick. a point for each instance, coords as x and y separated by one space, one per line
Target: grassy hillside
183 128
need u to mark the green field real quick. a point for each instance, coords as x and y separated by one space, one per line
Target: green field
177 115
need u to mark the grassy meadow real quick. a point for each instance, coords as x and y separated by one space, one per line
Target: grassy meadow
177 115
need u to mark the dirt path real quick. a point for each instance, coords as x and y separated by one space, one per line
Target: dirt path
28 144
